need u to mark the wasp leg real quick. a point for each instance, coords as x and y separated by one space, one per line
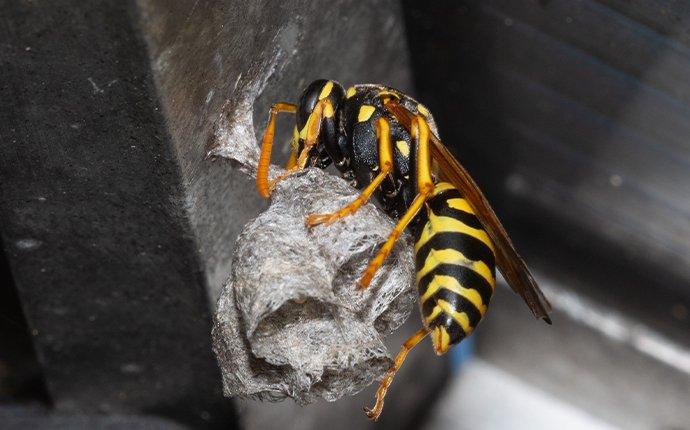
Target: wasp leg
322 108
425 186
292 161
386 164
410 343
262 183
313 129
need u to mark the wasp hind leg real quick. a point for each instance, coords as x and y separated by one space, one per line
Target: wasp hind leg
410 343
425 186
386 165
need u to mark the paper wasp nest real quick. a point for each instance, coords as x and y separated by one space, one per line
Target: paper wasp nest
290 320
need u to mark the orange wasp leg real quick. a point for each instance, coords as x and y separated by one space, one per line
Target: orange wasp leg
313 125
262 183
386 165
410 343
425 185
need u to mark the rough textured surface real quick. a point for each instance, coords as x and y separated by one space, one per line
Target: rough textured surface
35 417
92 218
291 320
240 57
212 63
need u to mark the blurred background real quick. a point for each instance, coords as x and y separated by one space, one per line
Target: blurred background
117 231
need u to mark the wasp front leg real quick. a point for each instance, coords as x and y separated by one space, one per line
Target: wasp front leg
313 126
385 150
425 186
262 183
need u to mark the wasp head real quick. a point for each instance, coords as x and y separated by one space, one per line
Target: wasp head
320 101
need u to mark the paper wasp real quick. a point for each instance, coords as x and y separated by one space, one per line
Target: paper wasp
383 142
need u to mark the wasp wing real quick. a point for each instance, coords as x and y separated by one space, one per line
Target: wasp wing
509 261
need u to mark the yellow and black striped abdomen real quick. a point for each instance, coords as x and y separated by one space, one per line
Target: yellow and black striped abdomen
455 264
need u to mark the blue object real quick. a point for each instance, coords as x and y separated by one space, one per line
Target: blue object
461 353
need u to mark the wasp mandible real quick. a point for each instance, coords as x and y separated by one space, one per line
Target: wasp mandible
382 141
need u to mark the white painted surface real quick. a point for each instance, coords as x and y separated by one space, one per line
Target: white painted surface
483 397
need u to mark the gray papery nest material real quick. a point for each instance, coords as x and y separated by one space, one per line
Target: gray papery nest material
291 321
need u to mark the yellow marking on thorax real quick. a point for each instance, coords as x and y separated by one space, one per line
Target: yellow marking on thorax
422 109
403 147
452 284
365 112
387 95
437 257
441 187
350 92
440 224
326 90
460 204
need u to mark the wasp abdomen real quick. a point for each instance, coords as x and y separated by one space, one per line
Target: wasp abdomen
455 264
